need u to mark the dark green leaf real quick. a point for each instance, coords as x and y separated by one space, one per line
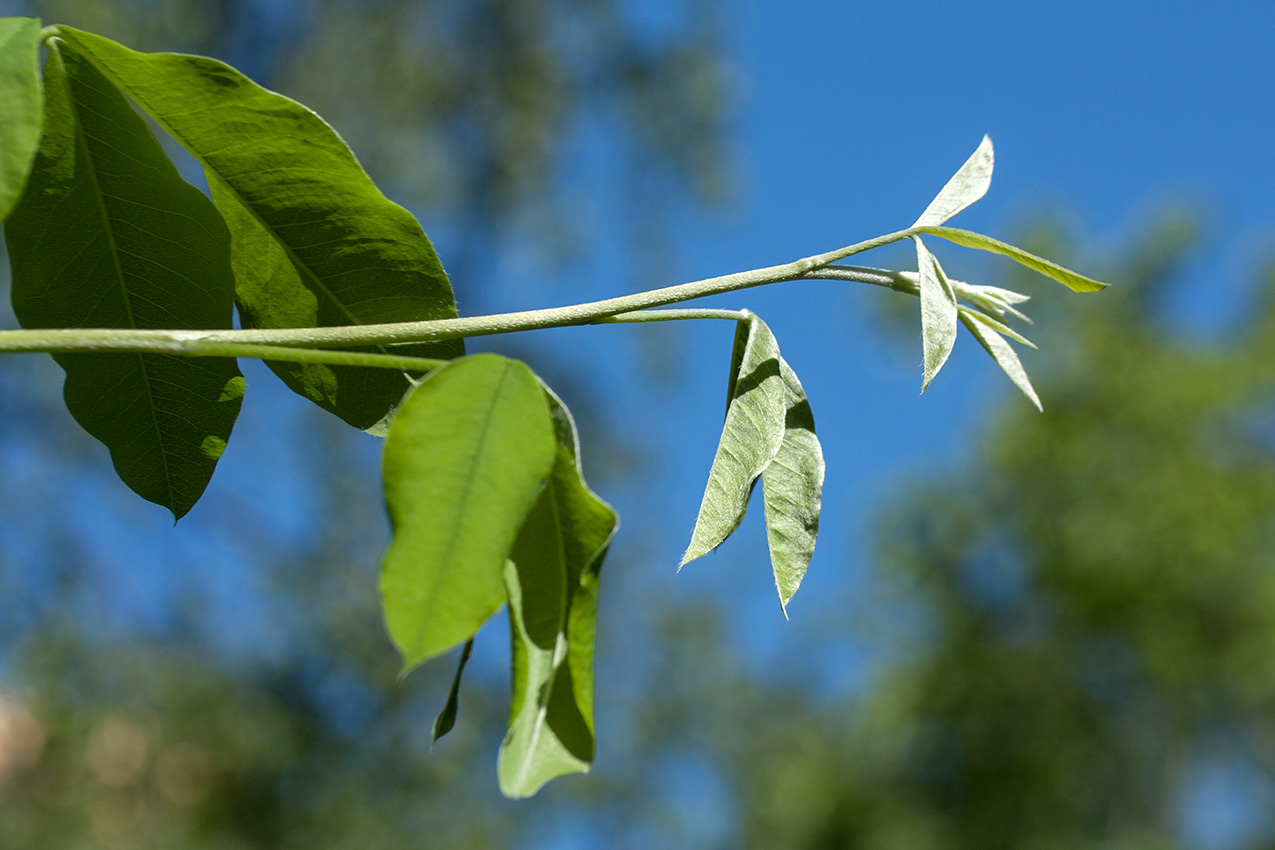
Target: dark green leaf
1076 282
446 718
984 331
19 104
552 581
750 439
967 185
108 235
792 487
463 465
315 242
938 312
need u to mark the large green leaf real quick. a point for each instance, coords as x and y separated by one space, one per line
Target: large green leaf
967 185
464 463
19 104
938 312
315 242
792 488
552 580
751 437
1076 282
107 235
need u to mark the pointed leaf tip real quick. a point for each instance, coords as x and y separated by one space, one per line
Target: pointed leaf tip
1072 280
751 436
968 184
1001 352
792 488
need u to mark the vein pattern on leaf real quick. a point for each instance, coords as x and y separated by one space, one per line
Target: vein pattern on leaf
792 489
751 437
110 236
463 465
315 242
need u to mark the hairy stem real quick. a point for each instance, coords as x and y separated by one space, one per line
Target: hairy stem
310 345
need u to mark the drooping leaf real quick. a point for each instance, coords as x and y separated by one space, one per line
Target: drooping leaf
938 312
20 104
1076 282
446 718
1005 356
315 242
751 436
551 580
967 185
107 235
792 487
463 465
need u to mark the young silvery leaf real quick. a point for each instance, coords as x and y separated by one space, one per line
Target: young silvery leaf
751 436
792 488
938 312
20 102
1075 282
983 330
315 242
551 580
464 463
107 235
967 185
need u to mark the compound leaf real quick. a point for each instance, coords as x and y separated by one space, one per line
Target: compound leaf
108 235
1004 355
316 244
792 488
938 312
551 580
20 100
967 185
463 465
1072 280
751 437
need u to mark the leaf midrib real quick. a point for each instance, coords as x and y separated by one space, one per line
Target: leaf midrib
81 140
296 262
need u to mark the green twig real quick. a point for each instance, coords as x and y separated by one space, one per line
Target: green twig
625 308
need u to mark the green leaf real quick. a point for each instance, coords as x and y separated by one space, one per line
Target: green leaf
551 580
463 465
967 185
1005 356
751 437
316 244
792 488
107 235
938 312
1076 282
20 100
447 717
